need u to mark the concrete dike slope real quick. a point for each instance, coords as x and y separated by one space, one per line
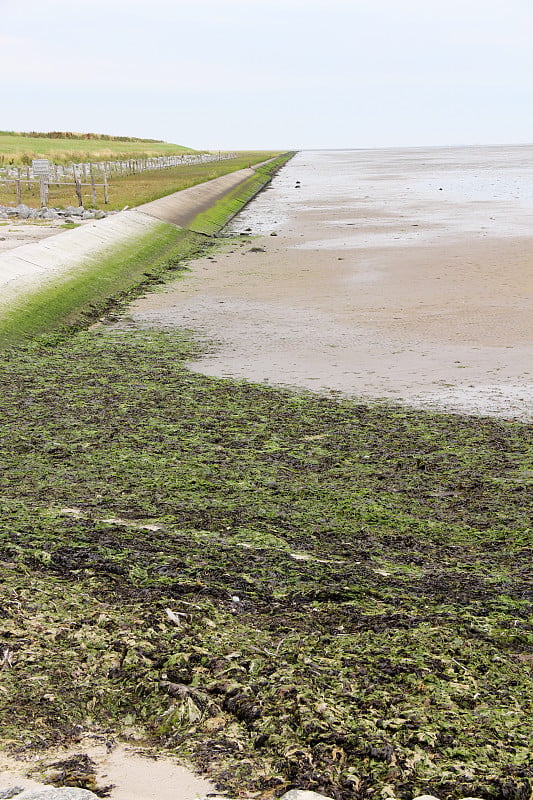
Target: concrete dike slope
29 267
63 259
182 208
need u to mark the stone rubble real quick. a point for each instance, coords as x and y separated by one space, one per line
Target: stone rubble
69 214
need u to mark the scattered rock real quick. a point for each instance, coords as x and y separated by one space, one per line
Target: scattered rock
23 211
257 250
273 233
13 791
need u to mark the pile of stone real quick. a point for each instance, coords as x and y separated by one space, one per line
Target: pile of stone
68 214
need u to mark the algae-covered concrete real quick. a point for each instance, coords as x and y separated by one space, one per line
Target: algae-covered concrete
182 207
31 266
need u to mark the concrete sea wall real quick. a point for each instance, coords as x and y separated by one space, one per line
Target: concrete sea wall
30 266
56 261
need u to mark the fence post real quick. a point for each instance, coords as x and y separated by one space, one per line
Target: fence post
19 188
93 187
77 187
43 191
106 190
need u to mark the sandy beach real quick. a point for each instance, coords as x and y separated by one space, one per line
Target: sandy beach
397 274
131 771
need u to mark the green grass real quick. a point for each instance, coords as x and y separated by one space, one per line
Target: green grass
20 150
138 189
133 190
382 640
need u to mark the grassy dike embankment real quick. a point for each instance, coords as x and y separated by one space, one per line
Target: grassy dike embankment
283 589
19 149
130 190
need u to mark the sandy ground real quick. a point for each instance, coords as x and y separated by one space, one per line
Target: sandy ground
15 233
135 776
404 275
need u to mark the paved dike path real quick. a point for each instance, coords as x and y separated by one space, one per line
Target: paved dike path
30 266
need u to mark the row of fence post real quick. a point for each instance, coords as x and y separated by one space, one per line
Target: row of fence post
44 188
88 172
109 168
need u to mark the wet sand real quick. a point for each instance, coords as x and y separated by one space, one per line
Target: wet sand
133 774
404 275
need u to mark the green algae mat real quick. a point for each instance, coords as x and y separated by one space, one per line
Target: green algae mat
283 589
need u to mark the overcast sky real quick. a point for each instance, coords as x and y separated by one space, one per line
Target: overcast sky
252 74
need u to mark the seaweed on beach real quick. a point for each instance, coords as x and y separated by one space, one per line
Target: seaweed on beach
281 588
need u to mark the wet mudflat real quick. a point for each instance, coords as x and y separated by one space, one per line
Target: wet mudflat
403 274
282 588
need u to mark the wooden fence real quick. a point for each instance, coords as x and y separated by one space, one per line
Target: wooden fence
132 166
44 189
93 174
19 183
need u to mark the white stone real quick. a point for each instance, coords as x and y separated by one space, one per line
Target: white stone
60 793
24 211
426 797
302 794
